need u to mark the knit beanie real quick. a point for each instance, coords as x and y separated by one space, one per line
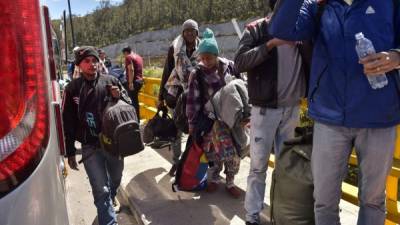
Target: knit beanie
190 24
84 52
208 44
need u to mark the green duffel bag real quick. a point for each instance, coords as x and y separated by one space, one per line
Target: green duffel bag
292 201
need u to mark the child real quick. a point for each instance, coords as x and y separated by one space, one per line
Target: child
205 80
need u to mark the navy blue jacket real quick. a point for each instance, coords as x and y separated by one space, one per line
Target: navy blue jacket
339 91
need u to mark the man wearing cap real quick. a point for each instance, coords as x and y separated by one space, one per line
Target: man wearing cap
180 62
83 103
133 69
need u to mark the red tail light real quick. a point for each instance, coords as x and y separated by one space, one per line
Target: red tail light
23 92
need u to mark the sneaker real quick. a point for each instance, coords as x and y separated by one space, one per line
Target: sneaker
249 223
212 187
172 170
233 191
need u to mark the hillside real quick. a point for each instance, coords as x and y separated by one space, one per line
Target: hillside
109 24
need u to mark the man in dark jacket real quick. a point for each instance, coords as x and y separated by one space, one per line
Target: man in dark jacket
276 82
347 111
83 103
180 61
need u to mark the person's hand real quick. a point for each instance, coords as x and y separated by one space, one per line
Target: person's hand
380 63
72 162
131 87
275 42
115 92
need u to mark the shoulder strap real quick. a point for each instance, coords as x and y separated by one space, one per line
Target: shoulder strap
200 81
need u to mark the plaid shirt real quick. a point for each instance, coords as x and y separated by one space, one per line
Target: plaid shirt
213 81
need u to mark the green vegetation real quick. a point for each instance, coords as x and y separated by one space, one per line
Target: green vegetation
155 72
109 23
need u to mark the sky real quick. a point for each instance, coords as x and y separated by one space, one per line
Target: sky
78 7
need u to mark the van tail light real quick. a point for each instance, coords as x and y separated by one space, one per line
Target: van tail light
23 94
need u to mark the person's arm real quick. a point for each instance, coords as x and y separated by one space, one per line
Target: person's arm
294 20
249 56
193 101
130 71
168 67
70 121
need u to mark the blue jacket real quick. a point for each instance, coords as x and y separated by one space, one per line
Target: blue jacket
339 91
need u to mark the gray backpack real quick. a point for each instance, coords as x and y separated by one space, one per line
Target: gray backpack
292 201
120 133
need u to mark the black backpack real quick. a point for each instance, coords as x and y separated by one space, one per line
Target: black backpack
160 130
204 124
292 187
120 132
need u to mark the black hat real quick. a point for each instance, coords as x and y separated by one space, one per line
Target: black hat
127 49
84 52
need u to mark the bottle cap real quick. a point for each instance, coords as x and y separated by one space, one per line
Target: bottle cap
359 36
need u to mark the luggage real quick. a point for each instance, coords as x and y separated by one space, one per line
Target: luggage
292 201
191 174
120 134
160 130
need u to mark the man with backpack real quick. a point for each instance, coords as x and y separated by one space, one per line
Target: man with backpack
276 83
134 75
347 111
178 65
84 101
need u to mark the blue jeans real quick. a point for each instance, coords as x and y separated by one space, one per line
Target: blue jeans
331 150
268 127
105 173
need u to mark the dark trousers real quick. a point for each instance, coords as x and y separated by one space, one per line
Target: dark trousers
134 95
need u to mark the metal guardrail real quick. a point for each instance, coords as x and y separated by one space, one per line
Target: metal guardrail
148 106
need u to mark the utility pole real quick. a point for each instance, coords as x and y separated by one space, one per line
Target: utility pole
64 36
72 26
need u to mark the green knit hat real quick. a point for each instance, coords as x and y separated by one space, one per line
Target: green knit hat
208 44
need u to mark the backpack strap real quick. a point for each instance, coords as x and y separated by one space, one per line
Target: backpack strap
202 86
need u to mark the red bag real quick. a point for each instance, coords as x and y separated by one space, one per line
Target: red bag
191 174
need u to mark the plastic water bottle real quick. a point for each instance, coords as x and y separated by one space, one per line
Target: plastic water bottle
364 47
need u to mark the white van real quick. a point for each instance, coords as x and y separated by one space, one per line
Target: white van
32 190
